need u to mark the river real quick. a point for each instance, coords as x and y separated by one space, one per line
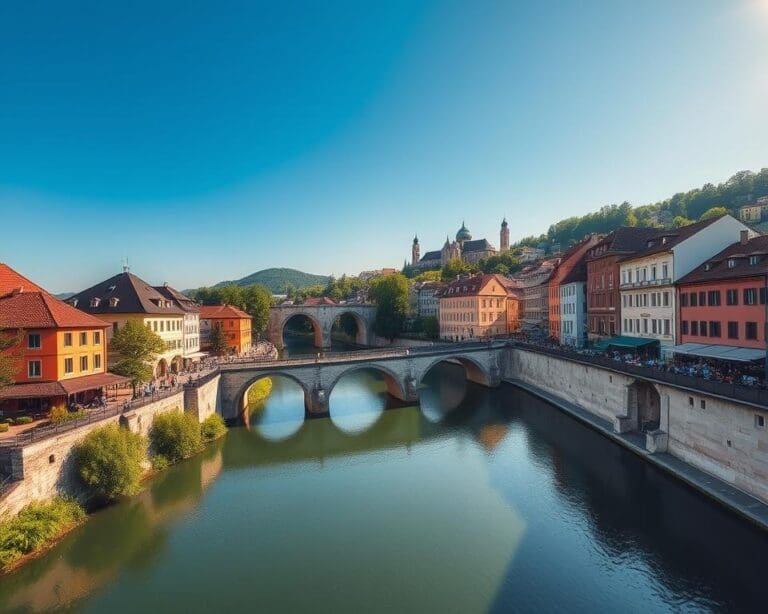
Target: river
476 501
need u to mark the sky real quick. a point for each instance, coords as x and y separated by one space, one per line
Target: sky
204 141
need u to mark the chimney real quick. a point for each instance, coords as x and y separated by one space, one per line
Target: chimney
744 237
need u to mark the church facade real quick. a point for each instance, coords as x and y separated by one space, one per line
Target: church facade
462 247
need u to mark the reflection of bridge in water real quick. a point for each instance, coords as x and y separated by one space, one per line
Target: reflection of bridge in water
403 371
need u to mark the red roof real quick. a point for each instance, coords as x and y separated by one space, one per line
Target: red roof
213 312
321 300
471 286
34 390
10 280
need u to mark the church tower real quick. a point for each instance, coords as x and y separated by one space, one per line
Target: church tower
504 239
415 251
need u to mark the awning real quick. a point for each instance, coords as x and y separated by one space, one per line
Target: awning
196 355
631 343
40 390
719 352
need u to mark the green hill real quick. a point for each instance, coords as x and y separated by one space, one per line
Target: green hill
279 280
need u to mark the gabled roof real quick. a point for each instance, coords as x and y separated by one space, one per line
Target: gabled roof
214 312
623 240
133 295
665 240
717 268
11 280
433 255
478 245
472 286
181 300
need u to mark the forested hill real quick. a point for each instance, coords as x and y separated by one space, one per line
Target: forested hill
279 280
682 208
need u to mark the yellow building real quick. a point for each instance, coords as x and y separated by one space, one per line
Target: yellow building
477 307
124 298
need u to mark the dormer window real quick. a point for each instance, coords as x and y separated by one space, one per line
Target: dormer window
753 260
708 266
731 263
114 301
111 288
74 302
650 243
95 302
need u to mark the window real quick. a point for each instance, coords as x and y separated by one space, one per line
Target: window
114 327
34 368
666 327
637 324
703 404
753 260
97 338
759 421
732 297
664 271
162 326
702 299
154 326
733 330
653 299
666 299
731 263
703 328
713 298
33 341
694 299
83 338
763 295
714 328
83 363
684 327
694 328
645 325
690 401
67 339
750 296
653 272
750 331
97 361
683 299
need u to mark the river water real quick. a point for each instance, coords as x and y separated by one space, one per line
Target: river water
476 501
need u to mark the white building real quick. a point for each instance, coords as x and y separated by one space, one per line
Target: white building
573 313
530 254
191 325
648 304
427 301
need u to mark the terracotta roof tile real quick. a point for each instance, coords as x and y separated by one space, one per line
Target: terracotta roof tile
212 312
41 310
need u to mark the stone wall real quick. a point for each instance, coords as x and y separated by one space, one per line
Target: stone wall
202 401
46 468
721 437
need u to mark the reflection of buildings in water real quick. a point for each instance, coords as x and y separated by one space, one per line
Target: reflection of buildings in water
491 435
92 555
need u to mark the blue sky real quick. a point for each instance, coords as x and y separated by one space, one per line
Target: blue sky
207 140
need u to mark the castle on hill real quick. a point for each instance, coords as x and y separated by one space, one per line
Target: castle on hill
463 247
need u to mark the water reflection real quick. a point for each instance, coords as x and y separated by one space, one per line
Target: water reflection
358 400
282 413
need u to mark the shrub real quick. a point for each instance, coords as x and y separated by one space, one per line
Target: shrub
109 459
213 427
4 426
176 435
36 525
23 420
59 414
159 462
259 391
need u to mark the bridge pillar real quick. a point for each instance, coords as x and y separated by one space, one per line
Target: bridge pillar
316 403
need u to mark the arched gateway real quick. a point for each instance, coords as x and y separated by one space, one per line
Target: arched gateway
322 318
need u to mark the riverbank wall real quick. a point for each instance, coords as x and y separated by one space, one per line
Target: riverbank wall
714 434
42 470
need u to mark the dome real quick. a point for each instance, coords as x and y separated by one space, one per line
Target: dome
463 234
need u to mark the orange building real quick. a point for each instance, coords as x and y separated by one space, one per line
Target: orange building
478 307
235 323
61 353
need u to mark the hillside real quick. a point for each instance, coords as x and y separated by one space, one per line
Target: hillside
279 280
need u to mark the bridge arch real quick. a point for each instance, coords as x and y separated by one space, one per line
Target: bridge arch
322 317
317 328
394 386
242 394
361 332
473 369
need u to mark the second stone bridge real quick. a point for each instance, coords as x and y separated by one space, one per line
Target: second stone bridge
403 371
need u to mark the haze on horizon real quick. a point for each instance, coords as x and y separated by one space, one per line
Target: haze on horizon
205 142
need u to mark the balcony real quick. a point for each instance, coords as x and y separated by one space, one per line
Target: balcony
648 283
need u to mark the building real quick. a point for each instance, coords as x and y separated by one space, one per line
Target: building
463 247
648 302
723 303
426 299
531 254
476 307
755 212
570 266
533 283
126 297
191 327
368 275
61 354
504 236
603 273
235 323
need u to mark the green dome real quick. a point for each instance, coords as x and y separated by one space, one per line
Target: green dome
463 234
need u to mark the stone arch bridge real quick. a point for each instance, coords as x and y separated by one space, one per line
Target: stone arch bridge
322 318
403 371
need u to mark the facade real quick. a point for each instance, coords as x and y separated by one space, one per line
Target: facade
573 313
531 254
191 326
475 308
603 274
648 300
426 299
463 247
124 298
533 283
61 353
235 323
571 268
723 301
755 212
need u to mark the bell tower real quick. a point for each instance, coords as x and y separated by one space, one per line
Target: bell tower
415 251
504 236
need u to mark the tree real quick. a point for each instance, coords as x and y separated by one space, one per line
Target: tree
431 327
713 212
454 267
258 301
219 343
680 221
9 361
176 435
390 293
428 276
109 459
138 347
